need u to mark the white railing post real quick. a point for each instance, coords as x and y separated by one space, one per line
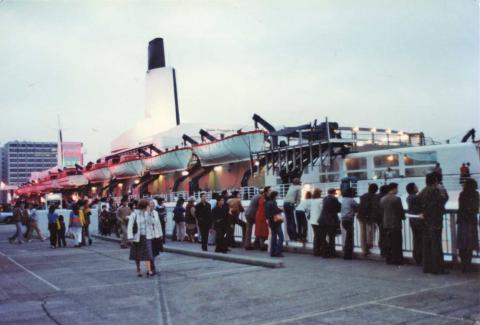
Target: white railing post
453 235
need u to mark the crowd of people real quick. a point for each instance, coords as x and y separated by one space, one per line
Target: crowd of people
25 219
141 224
382 210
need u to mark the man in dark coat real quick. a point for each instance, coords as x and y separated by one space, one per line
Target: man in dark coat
393 214
220 223
378 212
432 200
366 217
416 224
329 223
203 213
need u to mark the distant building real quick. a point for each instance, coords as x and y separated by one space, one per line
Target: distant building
72 154
21 158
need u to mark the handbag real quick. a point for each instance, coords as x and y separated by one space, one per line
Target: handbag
135 226
157 246
69 234
278 218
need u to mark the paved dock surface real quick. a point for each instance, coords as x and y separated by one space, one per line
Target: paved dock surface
98 285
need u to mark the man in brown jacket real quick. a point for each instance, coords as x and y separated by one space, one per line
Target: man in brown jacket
393 214
122 218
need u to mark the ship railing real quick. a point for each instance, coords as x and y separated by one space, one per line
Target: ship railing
409 241
451 182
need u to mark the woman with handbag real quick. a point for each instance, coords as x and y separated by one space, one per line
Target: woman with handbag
157 240
275 219
140 233
261 226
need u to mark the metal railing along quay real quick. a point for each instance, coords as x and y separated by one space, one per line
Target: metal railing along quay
449 236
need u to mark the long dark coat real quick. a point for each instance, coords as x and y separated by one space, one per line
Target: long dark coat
467 221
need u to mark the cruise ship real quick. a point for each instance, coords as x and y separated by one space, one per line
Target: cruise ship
160 155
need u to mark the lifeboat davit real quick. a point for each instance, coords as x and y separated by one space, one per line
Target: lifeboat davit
97 173
168 161
71 178
233 148
127 167
47 184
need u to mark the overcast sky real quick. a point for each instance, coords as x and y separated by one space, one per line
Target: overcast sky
408 64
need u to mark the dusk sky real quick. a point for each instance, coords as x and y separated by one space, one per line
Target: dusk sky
409 65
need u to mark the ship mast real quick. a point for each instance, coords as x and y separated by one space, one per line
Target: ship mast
59 146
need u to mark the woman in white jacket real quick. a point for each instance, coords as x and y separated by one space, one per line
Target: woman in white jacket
140 232
316 206
302 212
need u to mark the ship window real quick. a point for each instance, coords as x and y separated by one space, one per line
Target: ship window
361 176
326 178
417 171
420 158
382 173
386 160
334 166
356 163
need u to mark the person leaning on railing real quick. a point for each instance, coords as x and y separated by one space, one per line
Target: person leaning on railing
273 214
393 214
328 223
302 213
250 214
416 223
349 209
291 200
261 226
467 222
432 200
366 218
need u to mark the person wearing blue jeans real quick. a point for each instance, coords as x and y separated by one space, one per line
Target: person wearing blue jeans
291 200
271 210
276 249
289 209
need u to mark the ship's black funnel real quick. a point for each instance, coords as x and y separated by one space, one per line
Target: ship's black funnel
156 54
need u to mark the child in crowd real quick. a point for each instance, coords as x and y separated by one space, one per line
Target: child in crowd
61 232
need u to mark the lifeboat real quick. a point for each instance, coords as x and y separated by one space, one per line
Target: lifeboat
97 173
233 148
71 178
27 189
126 167
168 161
